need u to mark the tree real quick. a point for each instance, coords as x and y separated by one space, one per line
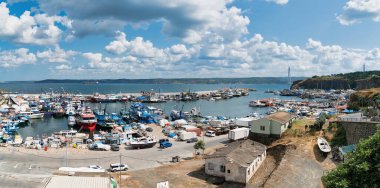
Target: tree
200 145
360 169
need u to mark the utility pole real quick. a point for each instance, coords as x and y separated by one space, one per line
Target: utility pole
120 170
67 155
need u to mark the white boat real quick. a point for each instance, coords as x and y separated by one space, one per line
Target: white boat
143 142
323 145
256 103
35 114
70 110
71 121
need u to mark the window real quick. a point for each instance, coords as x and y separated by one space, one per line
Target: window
262 128
249 171
222 168
210 166
228 171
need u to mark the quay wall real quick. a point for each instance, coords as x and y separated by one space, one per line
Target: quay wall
355 131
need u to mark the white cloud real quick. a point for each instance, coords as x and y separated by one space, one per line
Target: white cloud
280 2
216 57
356 10
63 67
16 58
39 29
57 55
188 20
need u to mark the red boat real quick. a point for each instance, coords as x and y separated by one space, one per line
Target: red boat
87 120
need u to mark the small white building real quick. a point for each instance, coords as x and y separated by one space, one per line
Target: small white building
237 162
272 125
79 182
245 122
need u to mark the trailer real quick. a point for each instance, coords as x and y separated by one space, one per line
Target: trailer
239 133
184 135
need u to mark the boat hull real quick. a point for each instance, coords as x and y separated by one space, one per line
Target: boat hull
323 145
143 145
87 126
36 116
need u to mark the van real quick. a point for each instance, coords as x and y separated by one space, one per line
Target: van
210 133
118 167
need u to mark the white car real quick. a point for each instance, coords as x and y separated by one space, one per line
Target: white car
97 167
210 133
118 167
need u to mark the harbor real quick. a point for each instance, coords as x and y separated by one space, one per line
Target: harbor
43 116
147 129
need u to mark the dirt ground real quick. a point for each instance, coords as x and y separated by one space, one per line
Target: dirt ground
187 173
292 161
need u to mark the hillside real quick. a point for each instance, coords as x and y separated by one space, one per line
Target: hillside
365 98
354 80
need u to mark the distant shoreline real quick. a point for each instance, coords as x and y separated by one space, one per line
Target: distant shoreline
251 80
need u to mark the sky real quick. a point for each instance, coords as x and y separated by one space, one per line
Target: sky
88 39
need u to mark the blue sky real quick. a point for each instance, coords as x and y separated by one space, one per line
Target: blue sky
159 39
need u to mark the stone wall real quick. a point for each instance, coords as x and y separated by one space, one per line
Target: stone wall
358 130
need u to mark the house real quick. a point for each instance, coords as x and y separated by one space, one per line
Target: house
272 125
237 162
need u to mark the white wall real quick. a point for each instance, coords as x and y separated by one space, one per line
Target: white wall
261 122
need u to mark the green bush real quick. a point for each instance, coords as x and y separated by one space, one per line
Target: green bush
360 169
339 138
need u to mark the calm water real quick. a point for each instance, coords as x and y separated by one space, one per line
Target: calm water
235 107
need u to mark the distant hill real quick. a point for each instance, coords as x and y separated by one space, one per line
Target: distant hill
354 80
252 80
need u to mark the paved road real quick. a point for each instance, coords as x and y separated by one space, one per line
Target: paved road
22 168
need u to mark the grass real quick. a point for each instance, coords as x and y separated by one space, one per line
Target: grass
300 123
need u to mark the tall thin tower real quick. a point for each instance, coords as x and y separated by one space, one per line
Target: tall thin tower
363 67
289 76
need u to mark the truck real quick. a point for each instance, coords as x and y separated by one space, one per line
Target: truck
99 146
184 135
239 133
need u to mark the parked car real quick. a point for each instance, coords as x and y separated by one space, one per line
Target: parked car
163 140
118 167
210 133
95 167
191 140
164 143
115 147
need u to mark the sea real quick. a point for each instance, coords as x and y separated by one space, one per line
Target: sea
230 108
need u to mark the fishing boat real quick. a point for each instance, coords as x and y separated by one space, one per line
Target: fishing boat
323 145
86 120
58 112
256 103
35 114
143 142
71 121
70 110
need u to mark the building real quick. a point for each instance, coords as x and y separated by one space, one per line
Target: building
237 162
344 150
80 182
272 125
